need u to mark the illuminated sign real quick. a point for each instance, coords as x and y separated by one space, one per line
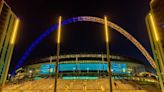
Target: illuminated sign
115 68
47 68
118 68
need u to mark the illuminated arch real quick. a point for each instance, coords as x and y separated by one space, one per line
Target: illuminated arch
91 19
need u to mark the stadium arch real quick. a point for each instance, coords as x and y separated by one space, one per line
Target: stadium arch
90 19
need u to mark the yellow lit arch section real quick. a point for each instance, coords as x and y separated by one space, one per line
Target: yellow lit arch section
123 32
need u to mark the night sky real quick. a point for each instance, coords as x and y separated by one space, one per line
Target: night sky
82 37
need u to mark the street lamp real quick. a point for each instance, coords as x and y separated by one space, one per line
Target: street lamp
156 47
30 71
50 67
12 41
74 73
58 52
87 77
107 51
9 53
154 27
9 77
87 70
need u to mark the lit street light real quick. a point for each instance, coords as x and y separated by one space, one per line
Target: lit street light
108 54
58 52
156 47
9 52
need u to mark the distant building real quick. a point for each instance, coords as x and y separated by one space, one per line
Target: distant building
8 27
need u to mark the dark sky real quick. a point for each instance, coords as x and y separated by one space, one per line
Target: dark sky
83 37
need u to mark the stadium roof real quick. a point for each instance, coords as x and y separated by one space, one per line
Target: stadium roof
69 57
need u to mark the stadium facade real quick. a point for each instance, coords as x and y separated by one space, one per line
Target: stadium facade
84 65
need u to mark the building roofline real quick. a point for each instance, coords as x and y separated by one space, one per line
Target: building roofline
95 56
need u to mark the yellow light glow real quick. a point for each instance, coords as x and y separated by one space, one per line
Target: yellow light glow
151 1
59 29
13 37
106 29
154 26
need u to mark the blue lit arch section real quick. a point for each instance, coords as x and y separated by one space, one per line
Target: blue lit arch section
91 19
40 38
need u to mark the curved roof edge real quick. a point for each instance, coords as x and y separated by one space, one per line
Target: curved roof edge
96 56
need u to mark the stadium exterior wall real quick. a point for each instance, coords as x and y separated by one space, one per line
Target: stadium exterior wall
85 62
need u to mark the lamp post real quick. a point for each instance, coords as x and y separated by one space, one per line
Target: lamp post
108 54
50 68
75 77
156 47
58 52
9 53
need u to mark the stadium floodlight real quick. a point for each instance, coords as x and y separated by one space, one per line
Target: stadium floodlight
106 29
154 26
13 37
59 29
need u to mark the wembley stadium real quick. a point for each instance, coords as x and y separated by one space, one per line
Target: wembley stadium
94 65
78 73
85 72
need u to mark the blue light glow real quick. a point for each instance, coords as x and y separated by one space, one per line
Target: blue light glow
36 42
